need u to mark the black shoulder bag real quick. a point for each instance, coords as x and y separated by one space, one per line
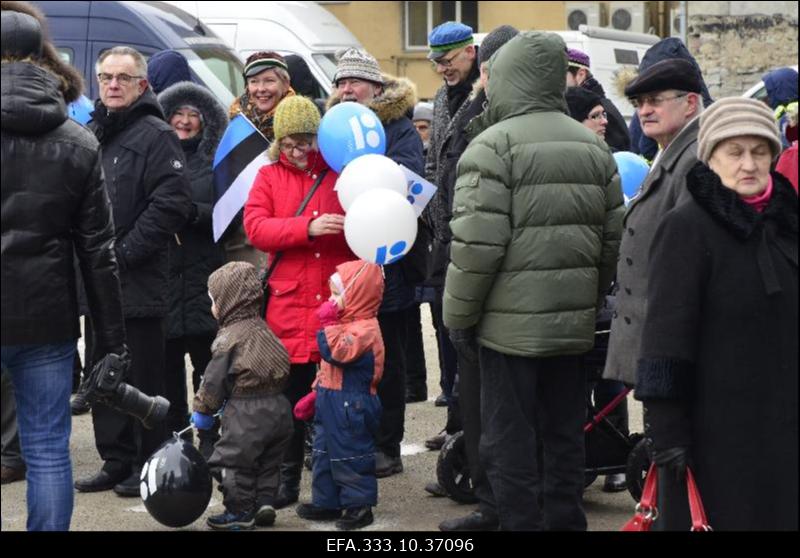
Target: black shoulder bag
276 258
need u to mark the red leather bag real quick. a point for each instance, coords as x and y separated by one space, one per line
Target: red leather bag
647 512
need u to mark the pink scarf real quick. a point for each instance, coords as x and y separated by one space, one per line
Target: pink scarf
759 201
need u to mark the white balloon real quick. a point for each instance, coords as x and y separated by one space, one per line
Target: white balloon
380 226
367 173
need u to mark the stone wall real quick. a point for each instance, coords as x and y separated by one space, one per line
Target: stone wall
734 51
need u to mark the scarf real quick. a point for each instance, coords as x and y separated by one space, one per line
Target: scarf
759 201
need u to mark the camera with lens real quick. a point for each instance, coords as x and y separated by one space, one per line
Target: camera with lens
106 385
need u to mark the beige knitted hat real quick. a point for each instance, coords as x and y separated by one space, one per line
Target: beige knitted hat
356 63
733 117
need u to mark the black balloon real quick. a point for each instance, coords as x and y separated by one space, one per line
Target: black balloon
176 483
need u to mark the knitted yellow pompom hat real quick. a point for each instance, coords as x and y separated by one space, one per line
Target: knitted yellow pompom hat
295 115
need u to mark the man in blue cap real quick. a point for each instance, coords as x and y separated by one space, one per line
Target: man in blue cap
455 57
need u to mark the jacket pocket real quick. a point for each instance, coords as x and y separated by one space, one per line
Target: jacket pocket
285 313
282 287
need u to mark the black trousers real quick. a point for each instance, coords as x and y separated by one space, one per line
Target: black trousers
468 386
525 401
123 443
199 349
392 387
447 354
301 376
416 372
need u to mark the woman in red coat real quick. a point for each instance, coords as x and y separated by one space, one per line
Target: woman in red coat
312 245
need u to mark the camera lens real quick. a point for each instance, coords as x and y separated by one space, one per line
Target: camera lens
149 410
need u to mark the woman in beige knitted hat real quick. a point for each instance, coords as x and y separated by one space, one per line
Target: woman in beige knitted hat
719 354
312 244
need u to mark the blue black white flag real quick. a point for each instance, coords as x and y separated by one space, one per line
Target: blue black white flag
241 152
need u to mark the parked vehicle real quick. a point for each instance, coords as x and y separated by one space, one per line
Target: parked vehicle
81 31
610 50
302 28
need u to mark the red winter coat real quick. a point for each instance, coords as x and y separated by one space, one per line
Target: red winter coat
299 283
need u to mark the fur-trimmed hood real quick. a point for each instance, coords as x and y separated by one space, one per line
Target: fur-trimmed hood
70 81
215 118
398 98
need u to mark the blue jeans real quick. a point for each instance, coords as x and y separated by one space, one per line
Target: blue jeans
42 377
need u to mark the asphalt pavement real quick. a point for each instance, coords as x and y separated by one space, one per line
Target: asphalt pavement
403 504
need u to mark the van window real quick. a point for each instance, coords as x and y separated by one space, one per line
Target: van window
66 54
328 64
225 66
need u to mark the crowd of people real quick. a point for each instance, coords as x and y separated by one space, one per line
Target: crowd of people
531 241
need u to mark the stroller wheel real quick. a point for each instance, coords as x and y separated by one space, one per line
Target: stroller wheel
638 464
452 470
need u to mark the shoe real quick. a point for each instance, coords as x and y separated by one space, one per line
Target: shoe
230 521
286 496
315 513
435 489
416 396
129 487
441 401
436 442
265 516
355 518
12 474
615 483
476 521
101 481
78 404
386 466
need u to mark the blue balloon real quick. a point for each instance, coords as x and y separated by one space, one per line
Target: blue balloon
81 110
347 131
633 170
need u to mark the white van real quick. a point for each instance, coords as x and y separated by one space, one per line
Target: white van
609 50
302 28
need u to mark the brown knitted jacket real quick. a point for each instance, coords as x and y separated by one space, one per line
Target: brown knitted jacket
248 359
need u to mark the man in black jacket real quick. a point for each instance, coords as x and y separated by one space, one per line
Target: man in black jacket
150 195
54 208
579 75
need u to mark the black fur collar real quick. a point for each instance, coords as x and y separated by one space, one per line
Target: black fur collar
727 208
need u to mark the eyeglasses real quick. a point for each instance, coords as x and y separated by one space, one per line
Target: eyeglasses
301 146
445 62
598 116
122 79
654 101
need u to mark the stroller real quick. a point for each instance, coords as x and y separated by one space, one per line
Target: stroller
609 449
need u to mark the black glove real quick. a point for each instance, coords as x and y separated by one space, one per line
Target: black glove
673 462
465 343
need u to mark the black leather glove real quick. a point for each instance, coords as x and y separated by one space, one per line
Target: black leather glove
673 462
465 343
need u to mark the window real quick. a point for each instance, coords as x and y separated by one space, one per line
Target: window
66 54
421 17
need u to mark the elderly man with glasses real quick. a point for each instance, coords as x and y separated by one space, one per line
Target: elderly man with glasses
668 100
150 197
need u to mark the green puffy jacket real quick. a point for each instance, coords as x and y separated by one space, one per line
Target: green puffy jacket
537 212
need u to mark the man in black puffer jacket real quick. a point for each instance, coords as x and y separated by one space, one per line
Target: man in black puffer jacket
144 170
54 208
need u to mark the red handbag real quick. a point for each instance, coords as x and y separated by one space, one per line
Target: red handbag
647 512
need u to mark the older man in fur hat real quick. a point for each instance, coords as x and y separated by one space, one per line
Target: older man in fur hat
359 79
668 100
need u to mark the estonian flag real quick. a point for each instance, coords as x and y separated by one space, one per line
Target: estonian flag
241 152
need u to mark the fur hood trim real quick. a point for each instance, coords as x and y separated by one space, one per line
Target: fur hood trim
622 78
398 98
71 83
214 114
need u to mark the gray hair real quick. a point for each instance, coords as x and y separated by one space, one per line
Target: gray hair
138 59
